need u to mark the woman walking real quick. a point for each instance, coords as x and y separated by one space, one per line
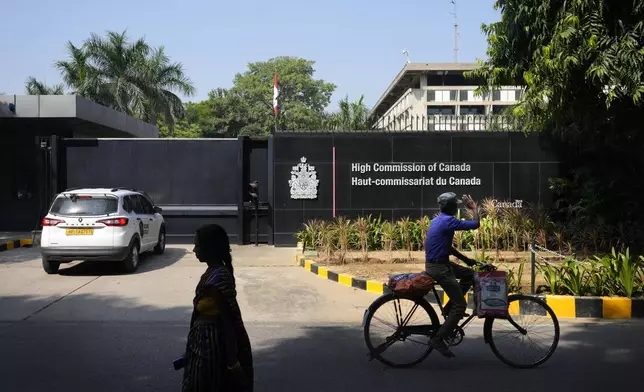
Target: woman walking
218 354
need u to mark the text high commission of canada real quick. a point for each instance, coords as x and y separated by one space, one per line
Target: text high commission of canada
392 174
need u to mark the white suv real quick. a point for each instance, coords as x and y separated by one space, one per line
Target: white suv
103 225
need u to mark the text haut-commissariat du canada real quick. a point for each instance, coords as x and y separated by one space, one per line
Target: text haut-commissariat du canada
436 167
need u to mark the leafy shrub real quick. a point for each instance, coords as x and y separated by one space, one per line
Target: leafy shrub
515 279
616 273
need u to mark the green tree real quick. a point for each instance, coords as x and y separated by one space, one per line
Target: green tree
350 116
224 114
131 77
182 129
78 74
35 87
582 63
247 107
302 98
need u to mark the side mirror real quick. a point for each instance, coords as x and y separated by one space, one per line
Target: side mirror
158 210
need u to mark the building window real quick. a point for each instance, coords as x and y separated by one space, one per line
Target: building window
434 79
441 95
506 95
502 109
441 110
455 79
471 96
472 110
451 78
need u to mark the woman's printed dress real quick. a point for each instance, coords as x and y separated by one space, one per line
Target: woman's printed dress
205 359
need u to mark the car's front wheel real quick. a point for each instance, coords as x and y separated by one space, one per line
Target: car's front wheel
160 247
131 262
50 267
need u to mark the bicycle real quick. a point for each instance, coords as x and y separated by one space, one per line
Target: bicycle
525 303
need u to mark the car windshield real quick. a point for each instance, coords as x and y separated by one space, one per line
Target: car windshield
84 205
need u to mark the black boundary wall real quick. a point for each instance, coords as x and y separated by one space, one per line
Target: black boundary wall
509 165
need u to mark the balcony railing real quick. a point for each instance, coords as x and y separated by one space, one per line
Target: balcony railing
450 123
435 123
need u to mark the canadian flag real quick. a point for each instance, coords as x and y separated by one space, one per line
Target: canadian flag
276 93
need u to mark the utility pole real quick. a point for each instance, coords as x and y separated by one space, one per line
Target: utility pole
455 32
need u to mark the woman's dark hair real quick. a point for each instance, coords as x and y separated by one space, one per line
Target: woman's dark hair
213 245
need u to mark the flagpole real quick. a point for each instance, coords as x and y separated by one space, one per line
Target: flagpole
275 99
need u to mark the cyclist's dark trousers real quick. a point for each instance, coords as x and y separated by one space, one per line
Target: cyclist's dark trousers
446 275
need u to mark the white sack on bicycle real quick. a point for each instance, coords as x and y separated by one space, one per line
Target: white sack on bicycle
491 294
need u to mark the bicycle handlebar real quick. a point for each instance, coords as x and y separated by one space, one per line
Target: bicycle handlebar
490 267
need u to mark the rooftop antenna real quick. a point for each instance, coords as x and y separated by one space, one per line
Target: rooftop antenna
406 53
455 32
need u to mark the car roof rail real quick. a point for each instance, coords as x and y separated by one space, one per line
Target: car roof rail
119 188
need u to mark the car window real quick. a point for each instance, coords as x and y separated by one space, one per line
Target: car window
147 205
84 205
128 205
136 203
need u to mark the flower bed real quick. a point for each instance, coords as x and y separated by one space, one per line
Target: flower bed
504 238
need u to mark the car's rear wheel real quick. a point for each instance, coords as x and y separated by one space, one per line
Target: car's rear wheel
50 267
131 262
160 247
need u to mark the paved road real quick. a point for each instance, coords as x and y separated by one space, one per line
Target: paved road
92 329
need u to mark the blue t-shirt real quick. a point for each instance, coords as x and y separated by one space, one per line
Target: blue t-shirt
440 235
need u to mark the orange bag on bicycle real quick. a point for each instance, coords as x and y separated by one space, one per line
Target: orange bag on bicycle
414 285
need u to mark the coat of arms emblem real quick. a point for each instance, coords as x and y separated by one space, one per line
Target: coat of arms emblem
304 181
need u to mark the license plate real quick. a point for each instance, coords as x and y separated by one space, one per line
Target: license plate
79 231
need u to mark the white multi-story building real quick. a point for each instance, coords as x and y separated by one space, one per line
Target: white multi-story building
437 96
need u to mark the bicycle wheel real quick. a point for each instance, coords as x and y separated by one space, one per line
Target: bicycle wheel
515 342
391 320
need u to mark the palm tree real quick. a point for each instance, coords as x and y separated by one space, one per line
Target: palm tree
34 87
161 79
118 67
130 77
352 116
77 73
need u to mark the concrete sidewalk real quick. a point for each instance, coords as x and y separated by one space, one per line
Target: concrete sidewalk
93 328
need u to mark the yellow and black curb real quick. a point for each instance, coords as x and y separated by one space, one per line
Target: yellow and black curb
13 244
564 306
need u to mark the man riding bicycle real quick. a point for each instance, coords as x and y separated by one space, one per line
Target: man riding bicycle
438 248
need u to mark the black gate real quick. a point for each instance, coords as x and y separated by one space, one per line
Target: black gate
255 221
194 181
30 180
